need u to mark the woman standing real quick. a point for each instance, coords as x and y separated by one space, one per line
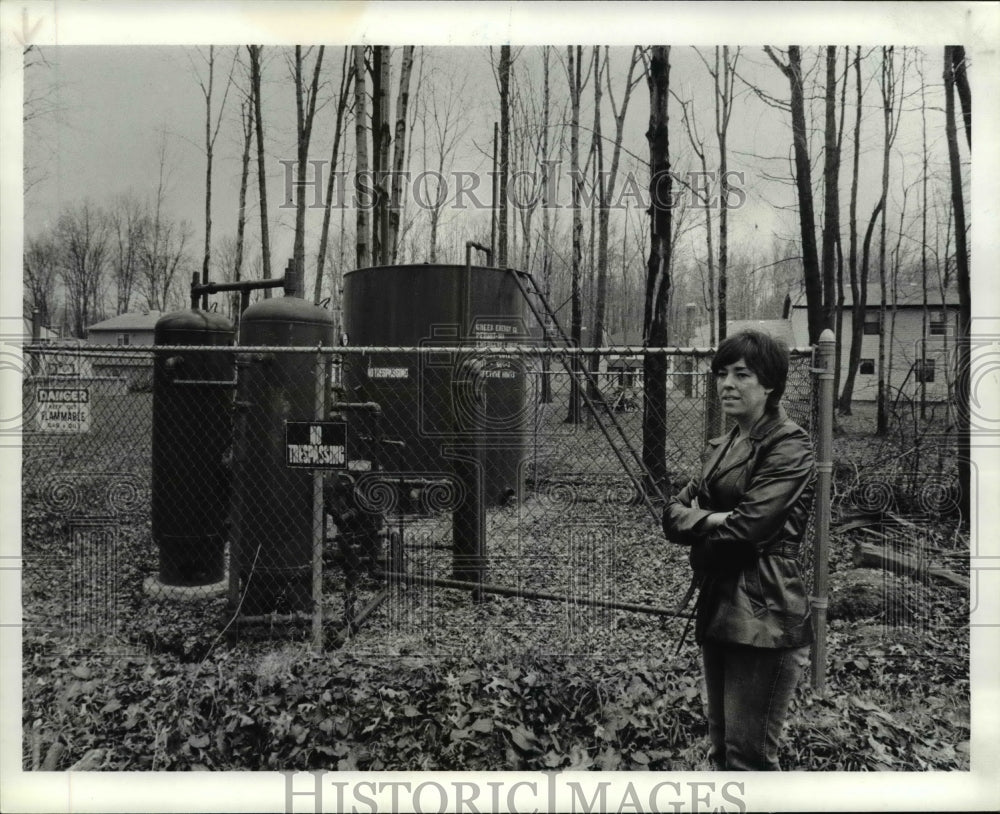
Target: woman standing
744 518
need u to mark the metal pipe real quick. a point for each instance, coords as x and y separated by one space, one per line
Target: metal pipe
203 382
275 618
469 516
522 593
371 406
824 369
202 290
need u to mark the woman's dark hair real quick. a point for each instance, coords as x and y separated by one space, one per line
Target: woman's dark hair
764 355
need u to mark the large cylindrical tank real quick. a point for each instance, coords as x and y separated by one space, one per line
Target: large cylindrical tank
273 509
192 432
442 405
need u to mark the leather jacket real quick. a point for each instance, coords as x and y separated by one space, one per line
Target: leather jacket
751 586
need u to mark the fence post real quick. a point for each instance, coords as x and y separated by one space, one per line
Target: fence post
823 368
318 513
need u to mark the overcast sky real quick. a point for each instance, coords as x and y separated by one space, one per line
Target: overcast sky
115 103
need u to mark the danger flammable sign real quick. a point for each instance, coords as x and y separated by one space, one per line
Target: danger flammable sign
63 409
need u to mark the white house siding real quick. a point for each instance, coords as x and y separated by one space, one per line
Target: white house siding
120 336
906 349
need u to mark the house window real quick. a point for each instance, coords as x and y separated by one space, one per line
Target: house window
123 339
924 372
867 367
938 324
872 324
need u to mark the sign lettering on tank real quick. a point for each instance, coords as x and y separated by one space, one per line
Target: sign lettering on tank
388 373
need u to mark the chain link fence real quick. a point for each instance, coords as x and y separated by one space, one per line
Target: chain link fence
172 493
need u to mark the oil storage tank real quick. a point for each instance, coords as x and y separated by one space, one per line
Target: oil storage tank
273 501
442 405
192 432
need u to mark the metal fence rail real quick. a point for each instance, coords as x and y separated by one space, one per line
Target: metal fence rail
302 488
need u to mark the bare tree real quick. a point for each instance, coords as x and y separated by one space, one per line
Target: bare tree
859 280
546 395
831 197
890 94
41 101
41 272
83 239
363 237
305 113
255 52
839 318
654 420
960 78
247 123
803 183
952 58
723 73
163 250
128 225
574 56
207 85
709 285
504 82
607 185
397 203
347 75
381 73
443 126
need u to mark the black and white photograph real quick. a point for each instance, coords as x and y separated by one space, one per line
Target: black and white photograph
479 407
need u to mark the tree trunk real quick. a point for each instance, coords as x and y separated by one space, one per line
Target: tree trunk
361 176
831 199
723 110
399 157
600 305
888 97
305 111
961 81
962 277
241 217
575 55
546 395
839 328
381 79
207 254
858 310
857 334
803 181
654 434
502 236
346 77
255 71
803 184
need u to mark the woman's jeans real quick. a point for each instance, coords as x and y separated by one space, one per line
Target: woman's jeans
748 689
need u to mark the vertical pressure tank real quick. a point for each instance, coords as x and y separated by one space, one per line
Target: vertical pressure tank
441 405
192 421
273 506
